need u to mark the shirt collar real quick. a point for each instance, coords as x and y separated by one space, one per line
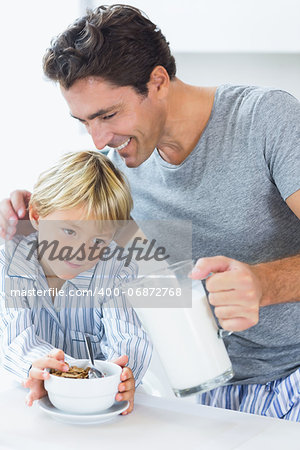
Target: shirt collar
23 261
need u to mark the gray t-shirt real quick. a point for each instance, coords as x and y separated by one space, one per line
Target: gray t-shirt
233 188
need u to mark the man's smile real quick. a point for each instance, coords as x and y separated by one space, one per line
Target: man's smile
120 147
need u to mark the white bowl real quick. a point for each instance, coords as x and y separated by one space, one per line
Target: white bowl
85 396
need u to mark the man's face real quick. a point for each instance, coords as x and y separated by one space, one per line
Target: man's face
74 239
118 117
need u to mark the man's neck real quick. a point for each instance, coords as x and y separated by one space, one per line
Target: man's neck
188 113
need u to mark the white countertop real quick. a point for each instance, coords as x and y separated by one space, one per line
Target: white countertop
155 424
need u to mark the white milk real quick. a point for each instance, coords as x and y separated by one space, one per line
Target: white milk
187 341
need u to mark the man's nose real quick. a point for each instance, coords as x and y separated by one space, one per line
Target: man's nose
100 135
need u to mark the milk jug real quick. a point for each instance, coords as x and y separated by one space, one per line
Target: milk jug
175 312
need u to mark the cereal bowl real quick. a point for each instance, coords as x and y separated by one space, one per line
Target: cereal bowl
85 396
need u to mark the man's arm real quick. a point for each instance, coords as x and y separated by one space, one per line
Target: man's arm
238 290
293 202
280 279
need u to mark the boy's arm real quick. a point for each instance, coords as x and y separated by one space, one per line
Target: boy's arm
19 344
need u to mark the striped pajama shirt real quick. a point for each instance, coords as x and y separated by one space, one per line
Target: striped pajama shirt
31 324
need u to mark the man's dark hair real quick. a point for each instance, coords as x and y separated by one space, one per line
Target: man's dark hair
117 43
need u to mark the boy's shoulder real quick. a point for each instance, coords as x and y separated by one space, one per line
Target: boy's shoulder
8 248
15 252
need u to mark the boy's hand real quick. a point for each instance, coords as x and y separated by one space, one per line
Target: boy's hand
127 385
37 375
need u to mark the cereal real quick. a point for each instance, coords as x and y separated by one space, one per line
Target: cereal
73 372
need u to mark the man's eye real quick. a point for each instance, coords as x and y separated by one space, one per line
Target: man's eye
69 232
109 116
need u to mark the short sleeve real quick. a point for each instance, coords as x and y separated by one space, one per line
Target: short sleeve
280 126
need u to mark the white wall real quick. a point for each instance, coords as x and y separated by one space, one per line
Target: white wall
280 70
225 25
35 122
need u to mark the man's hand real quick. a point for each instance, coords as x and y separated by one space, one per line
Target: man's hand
37 375
127 385
11 210
234 290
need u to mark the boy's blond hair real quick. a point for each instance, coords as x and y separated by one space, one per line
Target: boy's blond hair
85 178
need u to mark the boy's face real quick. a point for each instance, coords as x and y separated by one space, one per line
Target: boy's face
69 245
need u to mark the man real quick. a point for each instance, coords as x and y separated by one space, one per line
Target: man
227 158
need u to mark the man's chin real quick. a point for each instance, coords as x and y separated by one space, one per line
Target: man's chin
129 161
133 162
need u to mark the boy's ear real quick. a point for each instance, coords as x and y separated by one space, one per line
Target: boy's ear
34 217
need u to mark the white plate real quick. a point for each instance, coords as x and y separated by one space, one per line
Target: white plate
82 419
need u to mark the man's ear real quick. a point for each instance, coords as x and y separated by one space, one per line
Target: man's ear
34 217
159 81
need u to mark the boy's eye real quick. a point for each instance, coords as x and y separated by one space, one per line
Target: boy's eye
109 116
69 232
99 241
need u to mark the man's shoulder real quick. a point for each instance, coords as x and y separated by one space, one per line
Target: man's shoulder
255 98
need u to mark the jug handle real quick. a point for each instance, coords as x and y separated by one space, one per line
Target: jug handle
223 333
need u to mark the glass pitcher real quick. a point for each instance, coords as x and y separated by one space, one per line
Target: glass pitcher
175 312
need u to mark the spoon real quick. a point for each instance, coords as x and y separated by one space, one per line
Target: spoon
93 372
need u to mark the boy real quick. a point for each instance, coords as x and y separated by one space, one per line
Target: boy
56 288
